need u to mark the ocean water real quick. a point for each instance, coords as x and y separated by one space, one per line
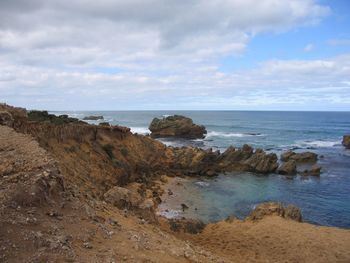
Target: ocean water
324 200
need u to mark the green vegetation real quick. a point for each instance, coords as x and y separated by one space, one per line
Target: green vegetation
108 148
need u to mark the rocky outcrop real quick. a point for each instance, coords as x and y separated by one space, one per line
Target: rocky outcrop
288 168
272 208
122 197
346 141
6 118
246 159
176 126
93 118
304 157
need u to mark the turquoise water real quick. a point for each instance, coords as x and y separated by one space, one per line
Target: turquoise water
324 200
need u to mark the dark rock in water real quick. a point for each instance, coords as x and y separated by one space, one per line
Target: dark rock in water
176 126
6 118
315 170
288 168
304 157
346 141
273 208
93 118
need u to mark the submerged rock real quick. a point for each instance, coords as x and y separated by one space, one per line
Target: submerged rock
346 141
176 126
315 170
273 208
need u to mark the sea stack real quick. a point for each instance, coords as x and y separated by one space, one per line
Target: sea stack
176 126
346 141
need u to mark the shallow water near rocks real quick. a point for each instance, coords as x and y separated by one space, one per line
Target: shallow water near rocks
324 200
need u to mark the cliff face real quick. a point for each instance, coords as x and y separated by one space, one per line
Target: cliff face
105 156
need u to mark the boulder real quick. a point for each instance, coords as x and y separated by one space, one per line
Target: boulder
273 208
304 157
315 170
93 118
122 197
261 162
286 155
176 126
288 168
346 141
6 118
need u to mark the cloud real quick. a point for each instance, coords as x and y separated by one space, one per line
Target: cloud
147 53
308 47
339 42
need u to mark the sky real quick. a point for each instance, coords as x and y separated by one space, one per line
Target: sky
179 55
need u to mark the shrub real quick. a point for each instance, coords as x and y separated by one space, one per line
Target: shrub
108 148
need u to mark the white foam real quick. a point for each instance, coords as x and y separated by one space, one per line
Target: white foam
229 134
202 184
140 130
170 213
317 143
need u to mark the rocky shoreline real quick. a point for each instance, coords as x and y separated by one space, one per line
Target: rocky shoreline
59 172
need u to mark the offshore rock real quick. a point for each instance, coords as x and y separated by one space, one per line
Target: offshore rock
176 126
346 141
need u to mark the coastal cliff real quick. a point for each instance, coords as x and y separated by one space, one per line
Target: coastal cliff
106 180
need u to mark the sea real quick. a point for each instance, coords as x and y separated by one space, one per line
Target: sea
323 200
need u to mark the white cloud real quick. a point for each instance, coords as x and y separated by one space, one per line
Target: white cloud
308 47
150 54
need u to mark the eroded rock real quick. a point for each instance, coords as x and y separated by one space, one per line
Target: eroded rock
346 141
304 157
288 168
176 126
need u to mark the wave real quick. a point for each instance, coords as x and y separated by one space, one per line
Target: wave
202 184
231 134
317 144
140 130
170 213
